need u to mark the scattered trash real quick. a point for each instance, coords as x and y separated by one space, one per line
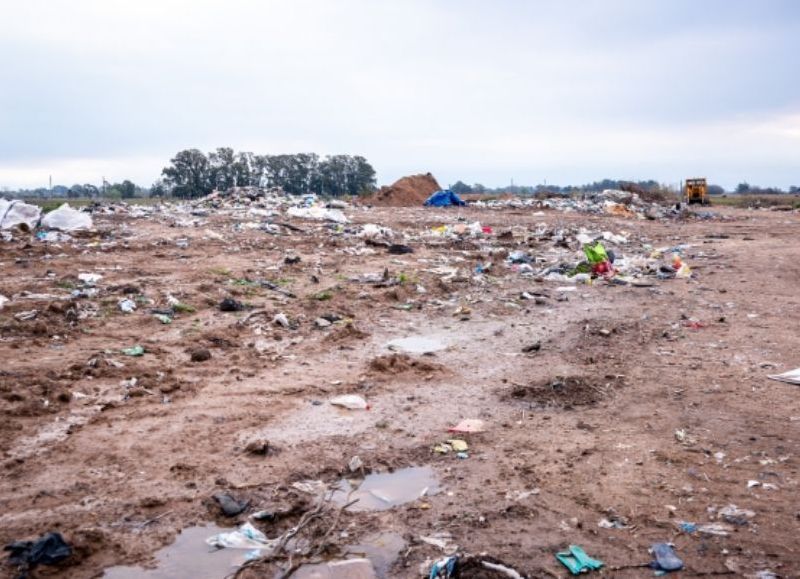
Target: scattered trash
281 320
18 213
735 515
452 445
790 377
260 446
665 558
163 318
344 569
318 213
577 561
65 218
26 316
127 306
444 568
718 529
3 301
245 537
355 464
530 348
230 305
469 425
49 549
133 351
351 402
687 527
398 249
229 505
444 198
442 541
89 279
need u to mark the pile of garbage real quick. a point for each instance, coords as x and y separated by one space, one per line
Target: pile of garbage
273 198
608 202
582 257
259 202
17 215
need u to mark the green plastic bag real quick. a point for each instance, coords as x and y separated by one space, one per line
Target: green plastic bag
133 351
596 254
577 561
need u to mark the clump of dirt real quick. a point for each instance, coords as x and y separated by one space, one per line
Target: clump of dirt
561 392
400 363
348 332
410 191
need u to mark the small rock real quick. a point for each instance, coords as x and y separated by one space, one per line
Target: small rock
281 320
200 355
260 447
535 347
321 323
229 505
230 305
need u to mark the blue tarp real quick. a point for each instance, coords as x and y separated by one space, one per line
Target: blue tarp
444 198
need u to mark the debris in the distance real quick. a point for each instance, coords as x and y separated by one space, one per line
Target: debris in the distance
469 426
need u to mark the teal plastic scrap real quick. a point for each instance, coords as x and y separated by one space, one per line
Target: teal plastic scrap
577 561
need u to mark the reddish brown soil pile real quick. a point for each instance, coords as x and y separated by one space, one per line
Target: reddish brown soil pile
409 191
399 363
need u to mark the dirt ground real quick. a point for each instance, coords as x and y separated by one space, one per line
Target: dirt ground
644 406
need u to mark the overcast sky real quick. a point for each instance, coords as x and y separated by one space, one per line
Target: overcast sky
560 91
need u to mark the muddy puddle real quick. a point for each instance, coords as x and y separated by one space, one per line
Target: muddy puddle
375 557
188 556
417 345
382 491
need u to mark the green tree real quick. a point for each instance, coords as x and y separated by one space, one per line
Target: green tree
459 188
127 189
189 174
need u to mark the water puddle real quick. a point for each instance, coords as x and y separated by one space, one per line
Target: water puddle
375 556
382 549
188 556
416 345
379 492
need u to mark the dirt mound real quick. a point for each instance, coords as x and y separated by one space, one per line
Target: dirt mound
561 392
409 191
399 363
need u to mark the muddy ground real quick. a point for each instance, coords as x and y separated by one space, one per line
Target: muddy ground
643 406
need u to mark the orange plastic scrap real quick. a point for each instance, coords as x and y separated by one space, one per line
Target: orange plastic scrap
469 425
619 210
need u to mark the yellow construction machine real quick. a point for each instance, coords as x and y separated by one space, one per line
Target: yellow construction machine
695 191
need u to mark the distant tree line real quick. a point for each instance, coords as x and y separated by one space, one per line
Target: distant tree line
191 173
461 188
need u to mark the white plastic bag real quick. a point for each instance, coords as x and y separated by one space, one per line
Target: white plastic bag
350 401
66 218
